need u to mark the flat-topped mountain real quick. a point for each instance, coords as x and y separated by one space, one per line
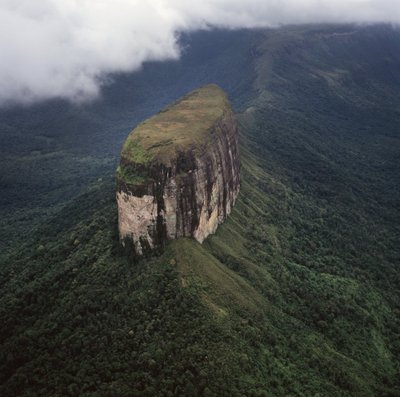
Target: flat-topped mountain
297 293
179 172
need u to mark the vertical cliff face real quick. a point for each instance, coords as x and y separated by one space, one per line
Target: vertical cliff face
179 174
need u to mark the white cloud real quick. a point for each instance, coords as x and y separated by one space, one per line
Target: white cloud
64 48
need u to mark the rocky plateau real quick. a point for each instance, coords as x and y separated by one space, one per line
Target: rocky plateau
179 174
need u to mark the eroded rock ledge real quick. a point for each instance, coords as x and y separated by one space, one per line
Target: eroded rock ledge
179 174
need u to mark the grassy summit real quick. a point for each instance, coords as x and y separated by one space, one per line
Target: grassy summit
184 125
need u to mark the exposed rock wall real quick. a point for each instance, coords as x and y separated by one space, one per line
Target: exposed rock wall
188 196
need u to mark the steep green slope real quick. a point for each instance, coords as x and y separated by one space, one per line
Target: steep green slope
297 293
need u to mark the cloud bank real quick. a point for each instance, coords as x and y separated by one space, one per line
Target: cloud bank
65 48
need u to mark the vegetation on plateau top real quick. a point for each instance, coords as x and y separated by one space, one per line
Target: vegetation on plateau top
187 124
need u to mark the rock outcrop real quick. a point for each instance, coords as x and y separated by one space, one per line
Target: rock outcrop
179 174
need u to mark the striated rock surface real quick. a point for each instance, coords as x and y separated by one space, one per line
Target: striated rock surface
179 174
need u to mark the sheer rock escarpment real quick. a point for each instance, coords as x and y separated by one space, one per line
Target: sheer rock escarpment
179 174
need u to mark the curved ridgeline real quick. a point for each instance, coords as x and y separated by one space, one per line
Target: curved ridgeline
179 174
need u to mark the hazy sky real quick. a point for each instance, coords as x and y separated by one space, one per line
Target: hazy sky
65 48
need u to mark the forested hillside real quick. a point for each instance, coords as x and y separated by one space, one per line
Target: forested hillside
298 293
